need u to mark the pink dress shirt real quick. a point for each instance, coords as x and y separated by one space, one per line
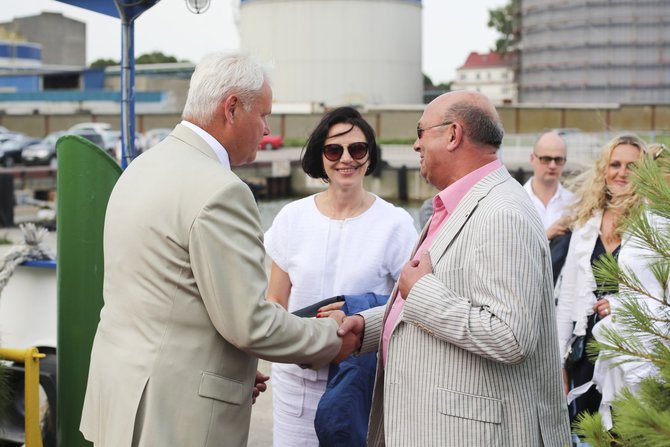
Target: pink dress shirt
444 204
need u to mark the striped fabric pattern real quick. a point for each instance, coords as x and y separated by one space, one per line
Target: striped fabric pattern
474 359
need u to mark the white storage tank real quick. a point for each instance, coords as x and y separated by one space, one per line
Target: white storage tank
334 52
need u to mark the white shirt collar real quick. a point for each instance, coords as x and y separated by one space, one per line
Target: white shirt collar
218 149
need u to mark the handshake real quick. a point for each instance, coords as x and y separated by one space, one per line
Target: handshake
350 330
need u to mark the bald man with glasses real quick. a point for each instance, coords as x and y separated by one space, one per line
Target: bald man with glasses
544 188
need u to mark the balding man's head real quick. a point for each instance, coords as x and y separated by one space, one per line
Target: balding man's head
548 158
479 118
457 133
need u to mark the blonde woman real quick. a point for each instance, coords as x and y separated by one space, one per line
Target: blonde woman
604 197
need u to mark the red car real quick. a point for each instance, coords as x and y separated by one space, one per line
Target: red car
271 142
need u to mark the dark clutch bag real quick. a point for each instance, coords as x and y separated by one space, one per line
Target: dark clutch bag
310 311
576 352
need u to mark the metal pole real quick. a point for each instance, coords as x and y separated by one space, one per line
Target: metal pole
30 358
127 89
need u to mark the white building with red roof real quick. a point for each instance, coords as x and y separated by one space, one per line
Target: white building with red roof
490 74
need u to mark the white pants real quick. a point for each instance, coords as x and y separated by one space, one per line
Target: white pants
294 402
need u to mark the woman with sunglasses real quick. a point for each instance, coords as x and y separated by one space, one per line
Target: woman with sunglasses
342 241
604 198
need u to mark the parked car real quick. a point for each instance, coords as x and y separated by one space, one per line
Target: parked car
271 142
42 153
6 136
154 136
98 127
111 139
10 150
118 146
93 136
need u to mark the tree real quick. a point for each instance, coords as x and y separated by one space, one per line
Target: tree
507 21
642 327
155 57
102 63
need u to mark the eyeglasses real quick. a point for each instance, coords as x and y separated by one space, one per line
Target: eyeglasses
661 148
545 160
333 152
420 131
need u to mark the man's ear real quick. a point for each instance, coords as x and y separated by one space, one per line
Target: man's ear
456 137
230 105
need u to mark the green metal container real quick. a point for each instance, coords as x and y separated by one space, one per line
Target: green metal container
86 176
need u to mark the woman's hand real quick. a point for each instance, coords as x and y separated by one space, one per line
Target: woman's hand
602 307
325 311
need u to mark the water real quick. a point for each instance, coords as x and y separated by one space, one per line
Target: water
270 208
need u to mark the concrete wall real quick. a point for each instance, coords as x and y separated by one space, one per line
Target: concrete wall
391 124
63 39
338 51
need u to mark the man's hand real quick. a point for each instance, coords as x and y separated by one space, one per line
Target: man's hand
259 386
412 272
351 331
556 229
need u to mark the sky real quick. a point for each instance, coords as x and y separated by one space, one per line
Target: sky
451 30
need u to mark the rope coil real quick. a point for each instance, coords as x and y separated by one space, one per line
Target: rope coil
32 248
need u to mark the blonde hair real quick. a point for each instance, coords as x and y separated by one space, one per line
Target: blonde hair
591 187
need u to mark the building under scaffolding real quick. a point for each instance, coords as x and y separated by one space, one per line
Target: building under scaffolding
595 51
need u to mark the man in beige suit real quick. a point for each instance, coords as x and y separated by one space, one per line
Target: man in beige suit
468 346
184 320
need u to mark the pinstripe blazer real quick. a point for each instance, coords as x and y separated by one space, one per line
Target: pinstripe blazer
473 359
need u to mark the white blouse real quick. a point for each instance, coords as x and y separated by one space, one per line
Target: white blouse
326 257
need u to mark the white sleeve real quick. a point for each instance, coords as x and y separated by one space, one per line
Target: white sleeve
566 294
401 243
277 238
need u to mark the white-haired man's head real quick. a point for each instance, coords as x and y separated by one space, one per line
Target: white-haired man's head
219 75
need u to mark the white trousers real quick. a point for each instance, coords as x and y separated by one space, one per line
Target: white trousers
294 402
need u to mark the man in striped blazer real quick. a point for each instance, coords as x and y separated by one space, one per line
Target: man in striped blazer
468 352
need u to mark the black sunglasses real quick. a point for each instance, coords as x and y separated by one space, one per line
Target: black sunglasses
661 148
333 152
420 131
545 160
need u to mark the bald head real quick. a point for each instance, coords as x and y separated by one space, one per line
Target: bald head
481 123
551 140
458 133
547 159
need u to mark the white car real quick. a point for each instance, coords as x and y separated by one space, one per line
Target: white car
97 127
154 136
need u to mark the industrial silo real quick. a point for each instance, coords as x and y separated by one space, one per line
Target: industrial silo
595 51
334 52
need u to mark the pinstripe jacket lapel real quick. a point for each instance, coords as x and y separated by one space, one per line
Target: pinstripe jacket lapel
454 223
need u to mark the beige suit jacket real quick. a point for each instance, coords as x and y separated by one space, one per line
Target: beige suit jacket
474 359
174 356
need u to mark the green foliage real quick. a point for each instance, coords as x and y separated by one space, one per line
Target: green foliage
642 418
5 240
155 57
102 63
294 142
427 82
506 20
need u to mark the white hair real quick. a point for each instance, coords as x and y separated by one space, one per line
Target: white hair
219 75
